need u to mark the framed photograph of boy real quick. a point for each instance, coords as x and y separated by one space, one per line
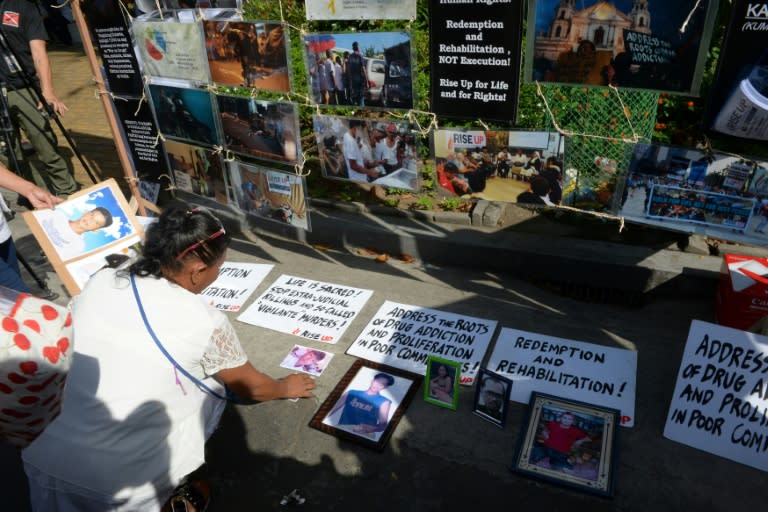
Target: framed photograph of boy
92 224
570 443
441 384
492 397
367 404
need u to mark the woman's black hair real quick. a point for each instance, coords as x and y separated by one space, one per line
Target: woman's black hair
179 233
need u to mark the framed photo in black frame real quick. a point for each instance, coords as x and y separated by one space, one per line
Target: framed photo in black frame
492 397
367 403
568 442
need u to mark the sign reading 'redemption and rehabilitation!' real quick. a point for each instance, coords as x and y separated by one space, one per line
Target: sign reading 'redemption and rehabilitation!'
720 403
306 308
570 369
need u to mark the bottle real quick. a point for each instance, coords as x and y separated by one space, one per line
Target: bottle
745 113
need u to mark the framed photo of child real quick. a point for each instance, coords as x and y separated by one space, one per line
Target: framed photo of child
441 385
492 397
570 443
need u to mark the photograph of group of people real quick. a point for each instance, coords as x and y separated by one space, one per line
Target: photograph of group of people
268 130
248 54
363 69
697 191
647 44
270 194
510 166
378 151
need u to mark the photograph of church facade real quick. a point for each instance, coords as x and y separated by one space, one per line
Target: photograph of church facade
629 43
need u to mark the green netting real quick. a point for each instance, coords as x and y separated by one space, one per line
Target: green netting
600 124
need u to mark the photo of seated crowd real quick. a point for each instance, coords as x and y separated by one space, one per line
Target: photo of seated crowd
262 129
377 151
247 54
696 191
364 69
510 166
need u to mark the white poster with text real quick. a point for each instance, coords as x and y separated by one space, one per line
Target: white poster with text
309 309
236 282
404 336
720 403
590 373
361 9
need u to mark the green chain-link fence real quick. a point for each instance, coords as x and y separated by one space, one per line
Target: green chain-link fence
600 125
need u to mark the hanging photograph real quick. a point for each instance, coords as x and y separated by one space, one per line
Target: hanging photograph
361 9
184 113
644 44
441 384
197 170
263 129
492 397
706 193
509 166
377 151
738 99
169 49
248 54
366 404
569 443
270 194
474 57
364 69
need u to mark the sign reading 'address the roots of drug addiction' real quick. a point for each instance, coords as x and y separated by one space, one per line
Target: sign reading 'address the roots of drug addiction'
310 309
405 336
586 372
720 404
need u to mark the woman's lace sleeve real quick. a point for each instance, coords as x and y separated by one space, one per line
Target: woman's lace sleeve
224 350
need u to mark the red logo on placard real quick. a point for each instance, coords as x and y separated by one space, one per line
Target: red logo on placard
11 18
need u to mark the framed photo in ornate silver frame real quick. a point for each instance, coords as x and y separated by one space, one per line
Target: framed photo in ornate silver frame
367 403
570 443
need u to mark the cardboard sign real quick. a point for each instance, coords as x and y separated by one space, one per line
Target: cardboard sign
236 282
405 336
566 368
310 309
720 403
475 58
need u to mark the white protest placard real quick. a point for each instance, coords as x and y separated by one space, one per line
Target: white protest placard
361 9
404 336
310 309
720 403
235 284
590 373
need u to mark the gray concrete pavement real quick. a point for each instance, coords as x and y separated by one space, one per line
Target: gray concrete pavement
527 275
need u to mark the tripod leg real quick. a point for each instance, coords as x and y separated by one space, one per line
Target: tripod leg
47 294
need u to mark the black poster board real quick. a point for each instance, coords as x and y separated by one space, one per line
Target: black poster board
738 100
109 32
475 58
140 135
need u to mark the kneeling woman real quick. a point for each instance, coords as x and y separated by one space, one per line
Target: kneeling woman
132 423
